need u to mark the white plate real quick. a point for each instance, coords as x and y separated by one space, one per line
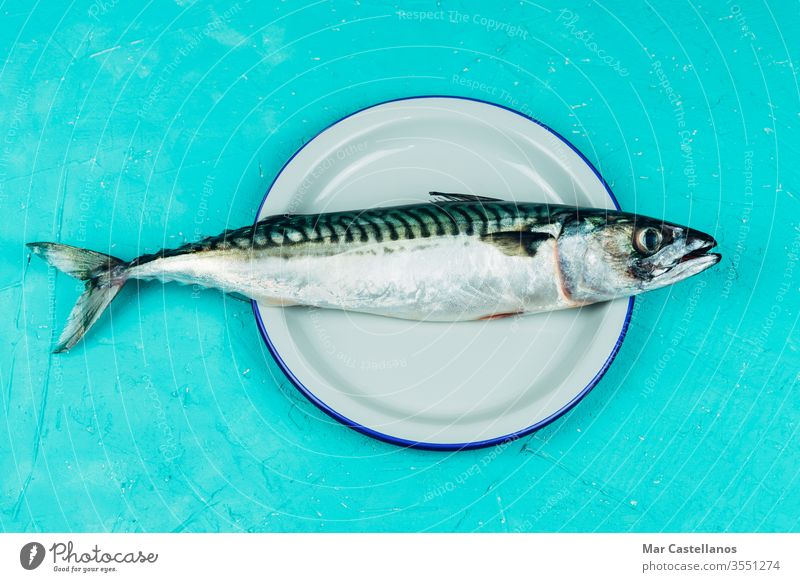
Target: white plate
440 385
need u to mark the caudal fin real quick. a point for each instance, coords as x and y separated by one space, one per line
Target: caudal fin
104 275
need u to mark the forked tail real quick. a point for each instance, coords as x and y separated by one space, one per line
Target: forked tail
104 275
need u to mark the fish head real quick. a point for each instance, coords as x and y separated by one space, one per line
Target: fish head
605 254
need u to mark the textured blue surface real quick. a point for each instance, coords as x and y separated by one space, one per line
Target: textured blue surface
126 127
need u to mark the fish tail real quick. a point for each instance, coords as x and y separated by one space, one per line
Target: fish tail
104 275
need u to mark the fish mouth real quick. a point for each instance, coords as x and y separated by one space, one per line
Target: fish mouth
694 258
699 244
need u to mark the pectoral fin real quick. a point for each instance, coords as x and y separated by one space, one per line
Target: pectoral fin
239 296
517 243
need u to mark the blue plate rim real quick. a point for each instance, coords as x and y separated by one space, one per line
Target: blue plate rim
419 444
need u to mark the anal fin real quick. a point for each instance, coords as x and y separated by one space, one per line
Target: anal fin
499 315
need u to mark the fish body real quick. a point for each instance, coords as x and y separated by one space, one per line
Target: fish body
437 262
457 258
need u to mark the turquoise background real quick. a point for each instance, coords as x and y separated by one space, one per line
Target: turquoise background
129 126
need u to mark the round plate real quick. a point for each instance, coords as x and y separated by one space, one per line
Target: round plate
440 385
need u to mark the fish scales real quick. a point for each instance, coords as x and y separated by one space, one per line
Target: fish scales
457 258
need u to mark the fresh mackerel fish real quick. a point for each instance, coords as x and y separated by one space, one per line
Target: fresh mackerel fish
456 258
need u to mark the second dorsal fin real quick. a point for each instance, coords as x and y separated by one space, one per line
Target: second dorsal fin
455 197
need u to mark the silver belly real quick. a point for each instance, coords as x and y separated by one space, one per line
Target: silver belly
447 278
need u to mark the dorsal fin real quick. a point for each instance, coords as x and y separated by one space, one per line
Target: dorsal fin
517 243
455 197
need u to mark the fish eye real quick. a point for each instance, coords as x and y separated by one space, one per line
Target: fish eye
647 240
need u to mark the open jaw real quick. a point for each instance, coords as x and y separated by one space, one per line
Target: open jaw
696 260
702 252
